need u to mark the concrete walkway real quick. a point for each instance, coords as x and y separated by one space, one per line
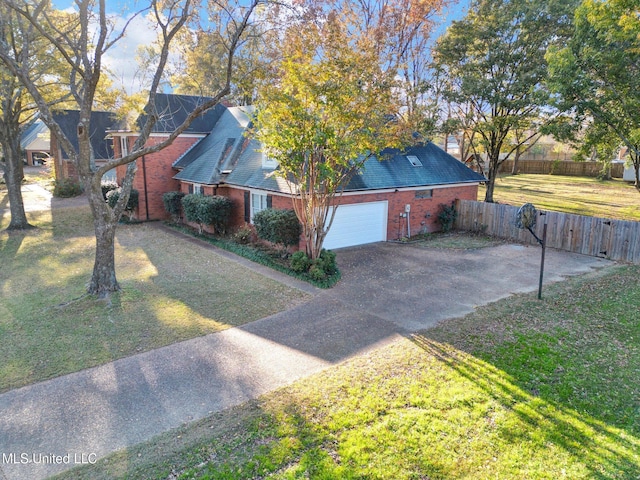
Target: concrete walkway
387 291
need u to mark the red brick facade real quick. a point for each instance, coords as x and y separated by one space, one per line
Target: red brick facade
154 175
423 211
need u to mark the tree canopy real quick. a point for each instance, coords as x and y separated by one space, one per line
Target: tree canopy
335 95
597 75
495 59
328 109
83 49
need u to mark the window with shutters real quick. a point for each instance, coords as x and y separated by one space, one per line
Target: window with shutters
259 202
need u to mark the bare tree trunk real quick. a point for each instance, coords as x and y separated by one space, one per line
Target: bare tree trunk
493 173
516 161
14 174
103 280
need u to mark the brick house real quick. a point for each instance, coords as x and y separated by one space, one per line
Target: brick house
155 174
396 196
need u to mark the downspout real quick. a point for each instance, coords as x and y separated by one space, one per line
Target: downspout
144 182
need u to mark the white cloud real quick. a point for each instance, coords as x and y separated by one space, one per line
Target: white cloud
121 59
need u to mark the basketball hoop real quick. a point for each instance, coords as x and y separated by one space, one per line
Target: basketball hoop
526 218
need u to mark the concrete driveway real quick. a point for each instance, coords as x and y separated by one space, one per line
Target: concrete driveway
415 287
387 291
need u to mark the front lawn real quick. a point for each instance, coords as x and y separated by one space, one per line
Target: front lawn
171 291
578 195
520 389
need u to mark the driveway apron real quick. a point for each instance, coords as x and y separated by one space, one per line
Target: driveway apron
387 291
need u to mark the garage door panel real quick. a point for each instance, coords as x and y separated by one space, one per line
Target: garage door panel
357 224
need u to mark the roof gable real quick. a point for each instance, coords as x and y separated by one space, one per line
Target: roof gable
100 122
208 160
35 137
173 110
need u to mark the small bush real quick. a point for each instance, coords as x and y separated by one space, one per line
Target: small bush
108 187
190 207
278 226
317 273
447 216
300 262
66 188
243 235
132 204
327 262
173 204
207 210
216 211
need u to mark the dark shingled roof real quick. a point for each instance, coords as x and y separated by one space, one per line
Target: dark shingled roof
217 152
392 169
99 124
226 156
174 109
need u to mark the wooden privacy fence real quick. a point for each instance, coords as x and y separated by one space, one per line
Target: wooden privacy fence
598 237
580 169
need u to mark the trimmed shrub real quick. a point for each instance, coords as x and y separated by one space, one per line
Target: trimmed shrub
447 216
173 204
132 204
207 210
327 262
66 188
190 207
108 187
317 273
278 226
216 211
300 262
323 267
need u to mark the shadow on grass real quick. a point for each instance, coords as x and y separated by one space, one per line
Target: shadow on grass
10 244
604 450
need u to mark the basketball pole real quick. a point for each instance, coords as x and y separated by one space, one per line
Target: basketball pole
544 245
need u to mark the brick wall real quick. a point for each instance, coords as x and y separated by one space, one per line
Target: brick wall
424 211
422 216
154 176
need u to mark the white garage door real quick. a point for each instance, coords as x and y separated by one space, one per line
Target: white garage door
358 224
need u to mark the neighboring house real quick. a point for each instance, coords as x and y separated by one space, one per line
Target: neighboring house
34 143
68 121
155 173
391 198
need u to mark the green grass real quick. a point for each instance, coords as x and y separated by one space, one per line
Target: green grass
170 293
520 389
578 195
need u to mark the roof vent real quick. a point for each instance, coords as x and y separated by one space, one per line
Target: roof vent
415 161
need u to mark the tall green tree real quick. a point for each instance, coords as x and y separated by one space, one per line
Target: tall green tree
495 58
326 112
597 74
339 72
84 50
17 108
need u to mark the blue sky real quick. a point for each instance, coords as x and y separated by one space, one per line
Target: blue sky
119 59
